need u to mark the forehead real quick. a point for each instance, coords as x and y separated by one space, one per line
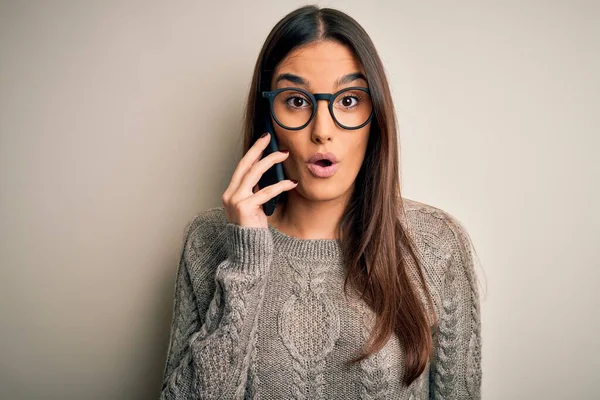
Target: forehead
321 64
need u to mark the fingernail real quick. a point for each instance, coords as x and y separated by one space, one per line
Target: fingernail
264 134
284 151
294 180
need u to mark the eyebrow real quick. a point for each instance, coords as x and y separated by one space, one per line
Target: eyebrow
304 82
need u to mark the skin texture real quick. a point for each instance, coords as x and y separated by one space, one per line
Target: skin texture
316 205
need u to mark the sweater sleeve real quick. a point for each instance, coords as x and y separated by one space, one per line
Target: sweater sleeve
456 367
206 355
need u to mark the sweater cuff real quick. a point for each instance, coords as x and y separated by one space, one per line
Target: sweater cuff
249 248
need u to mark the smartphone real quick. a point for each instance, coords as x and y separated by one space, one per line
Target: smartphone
275 173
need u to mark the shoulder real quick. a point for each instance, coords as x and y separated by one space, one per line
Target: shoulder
206 223
433 225
204 240
441 238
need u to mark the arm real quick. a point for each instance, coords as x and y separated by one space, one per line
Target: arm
456 368
206 351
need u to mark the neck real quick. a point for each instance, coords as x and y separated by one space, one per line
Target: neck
309 219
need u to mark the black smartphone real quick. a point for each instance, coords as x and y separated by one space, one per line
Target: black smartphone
275 173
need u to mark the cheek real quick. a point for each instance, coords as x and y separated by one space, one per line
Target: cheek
293 161
286 143
353 161
357 151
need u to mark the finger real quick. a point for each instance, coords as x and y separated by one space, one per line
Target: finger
252 156
267 193
248 160
257 170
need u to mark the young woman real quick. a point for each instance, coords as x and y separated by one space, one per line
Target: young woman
347 290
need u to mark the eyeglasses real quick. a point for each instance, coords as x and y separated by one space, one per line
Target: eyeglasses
294 108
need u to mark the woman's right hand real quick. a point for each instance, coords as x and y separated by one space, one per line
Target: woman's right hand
244 206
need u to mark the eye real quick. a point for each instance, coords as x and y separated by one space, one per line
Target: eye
350 101
296 101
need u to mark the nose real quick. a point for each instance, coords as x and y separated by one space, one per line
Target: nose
323 124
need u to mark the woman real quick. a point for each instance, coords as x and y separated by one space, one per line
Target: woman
263 308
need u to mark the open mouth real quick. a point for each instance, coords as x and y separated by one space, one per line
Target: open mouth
323 168
324 163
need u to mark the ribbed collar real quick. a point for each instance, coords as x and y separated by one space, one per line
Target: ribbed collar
321 249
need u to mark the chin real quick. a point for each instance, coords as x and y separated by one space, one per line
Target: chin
320 192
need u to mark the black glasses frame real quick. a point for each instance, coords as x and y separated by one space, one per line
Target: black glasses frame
330 97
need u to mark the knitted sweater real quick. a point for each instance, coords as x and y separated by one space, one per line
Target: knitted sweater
259 314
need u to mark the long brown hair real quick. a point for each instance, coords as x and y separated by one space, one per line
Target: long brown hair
374 239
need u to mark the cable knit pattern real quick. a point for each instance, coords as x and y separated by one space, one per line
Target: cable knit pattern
309 325
376 369
445 379
259 314
456 371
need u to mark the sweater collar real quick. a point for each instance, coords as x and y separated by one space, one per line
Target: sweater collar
320 249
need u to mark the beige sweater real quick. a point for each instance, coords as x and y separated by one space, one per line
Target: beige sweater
259 314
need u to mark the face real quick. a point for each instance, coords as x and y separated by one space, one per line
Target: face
320 65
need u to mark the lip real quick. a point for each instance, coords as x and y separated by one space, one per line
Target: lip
323 172
323 156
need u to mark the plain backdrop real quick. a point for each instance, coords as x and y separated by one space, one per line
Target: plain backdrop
120 121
